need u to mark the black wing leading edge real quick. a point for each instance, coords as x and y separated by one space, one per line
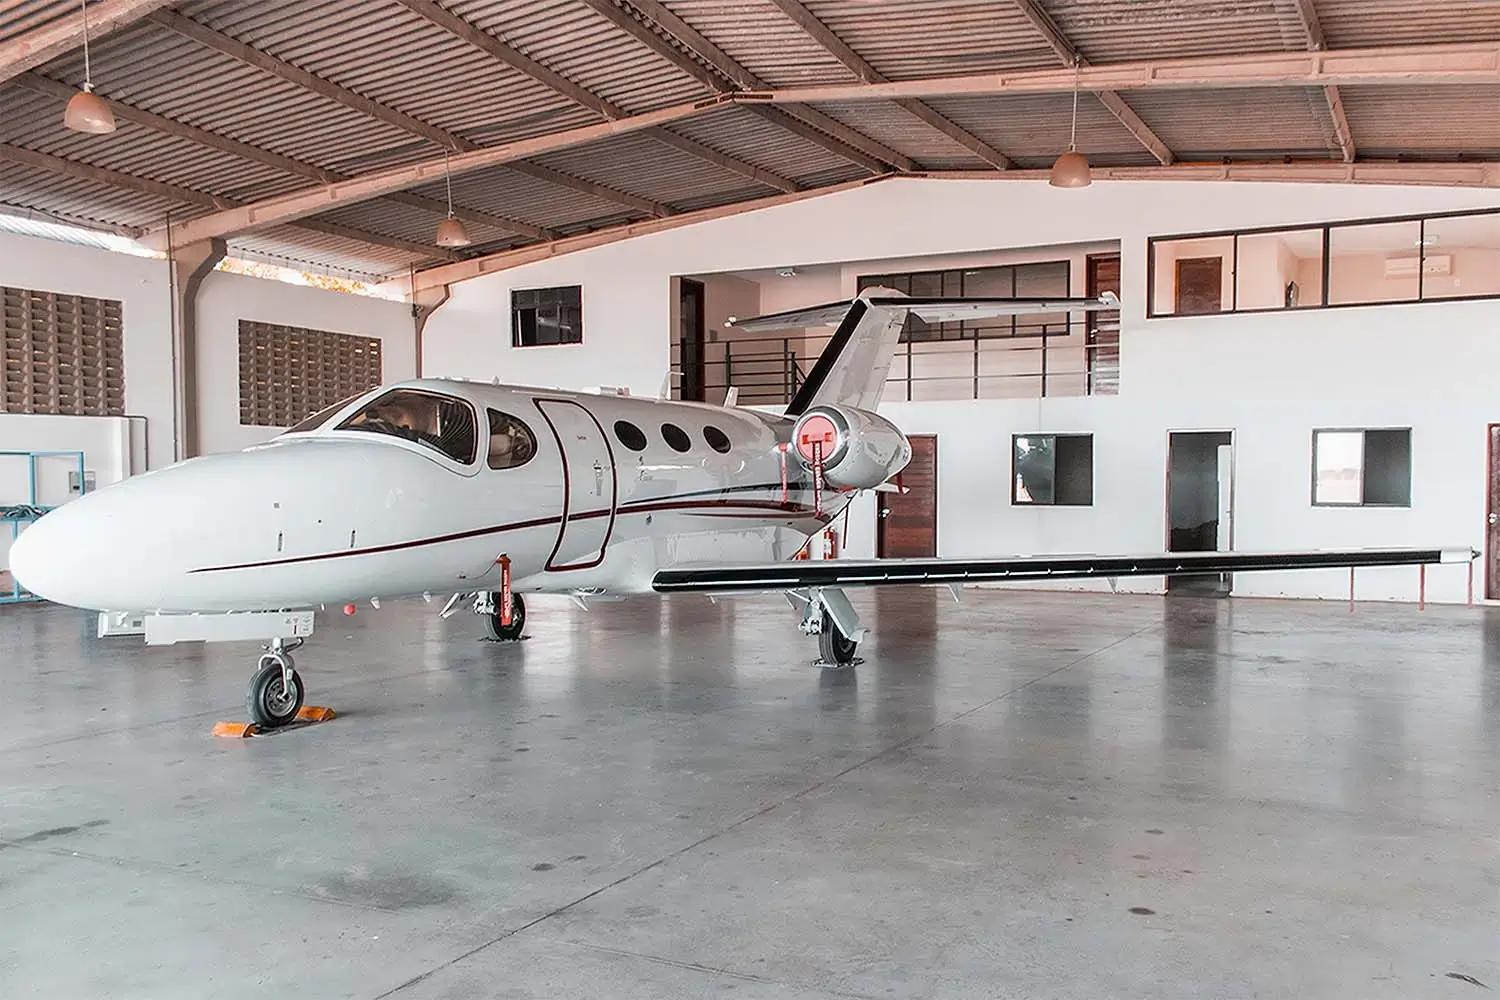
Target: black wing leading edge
896 572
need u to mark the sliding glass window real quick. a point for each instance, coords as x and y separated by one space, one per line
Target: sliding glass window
1416 259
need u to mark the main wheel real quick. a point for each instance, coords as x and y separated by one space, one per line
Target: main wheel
510 632
271 703
835 650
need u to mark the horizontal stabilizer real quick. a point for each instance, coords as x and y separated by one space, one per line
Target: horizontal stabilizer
894 572
933 310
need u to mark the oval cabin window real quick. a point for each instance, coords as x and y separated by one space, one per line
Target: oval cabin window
717 439
630 435
676 437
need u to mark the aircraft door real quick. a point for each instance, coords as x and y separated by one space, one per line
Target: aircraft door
590 490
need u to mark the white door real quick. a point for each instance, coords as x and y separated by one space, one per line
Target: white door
1226 498
590 491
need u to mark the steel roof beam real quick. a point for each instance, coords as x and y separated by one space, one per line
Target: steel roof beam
268 63
1451 64
62 36
1307 14
213 140
203 199
1068 53
818 128
856 64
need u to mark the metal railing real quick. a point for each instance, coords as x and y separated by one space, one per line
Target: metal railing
1039 360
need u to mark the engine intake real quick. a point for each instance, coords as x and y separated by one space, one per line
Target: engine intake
858 449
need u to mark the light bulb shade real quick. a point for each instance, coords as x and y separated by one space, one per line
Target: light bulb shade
1071 171
451 233
90 113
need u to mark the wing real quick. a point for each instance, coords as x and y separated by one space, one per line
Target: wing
895 572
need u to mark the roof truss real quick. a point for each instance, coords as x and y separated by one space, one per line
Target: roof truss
46 43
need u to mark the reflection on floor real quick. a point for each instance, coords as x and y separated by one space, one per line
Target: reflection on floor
1029 794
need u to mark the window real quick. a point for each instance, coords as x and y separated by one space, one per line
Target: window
717 439
63 354
1052 469
1364 262
630 435
1362 468
288 372
545 316
441 423
511 442
676 437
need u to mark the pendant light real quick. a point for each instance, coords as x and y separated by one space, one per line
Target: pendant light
1072 168
86 111
451 232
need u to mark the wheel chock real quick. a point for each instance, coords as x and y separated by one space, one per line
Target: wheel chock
235 730
306 715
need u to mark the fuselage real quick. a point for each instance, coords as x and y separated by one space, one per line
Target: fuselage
389 494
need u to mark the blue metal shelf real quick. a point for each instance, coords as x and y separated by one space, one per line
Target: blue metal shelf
19 515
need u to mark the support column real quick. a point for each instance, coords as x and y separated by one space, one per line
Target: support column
190 265
425 302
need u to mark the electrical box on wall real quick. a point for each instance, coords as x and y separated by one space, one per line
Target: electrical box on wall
79 483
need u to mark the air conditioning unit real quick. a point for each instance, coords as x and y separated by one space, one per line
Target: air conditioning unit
1406 267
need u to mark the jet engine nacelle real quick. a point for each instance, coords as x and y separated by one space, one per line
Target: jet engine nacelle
859 449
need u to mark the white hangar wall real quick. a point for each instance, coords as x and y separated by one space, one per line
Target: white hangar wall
115 447
1270 377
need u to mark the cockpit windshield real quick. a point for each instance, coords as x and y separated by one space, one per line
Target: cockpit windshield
322 417
442 423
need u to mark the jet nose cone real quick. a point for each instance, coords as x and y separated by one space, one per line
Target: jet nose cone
29 558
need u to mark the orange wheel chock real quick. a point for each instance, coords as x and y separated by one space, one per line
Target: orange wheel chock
315 713
235 730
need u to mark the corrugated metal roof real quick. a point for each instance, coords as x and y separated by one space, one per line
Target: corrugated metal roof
387 53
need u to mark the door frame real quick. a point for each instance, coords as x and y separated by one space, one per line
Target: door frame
1234 479
880 521
567 515
1491 508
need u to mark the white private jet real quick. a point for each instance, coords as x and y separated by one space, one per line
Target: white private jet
490 491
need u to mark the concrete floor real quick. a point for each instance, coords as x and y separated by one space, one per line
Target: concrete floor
1032 795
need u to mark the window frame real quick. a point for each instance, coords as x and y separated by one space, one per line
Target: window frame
515 329
1326 228
1055 435
421 448
1362 432
645 441
969 329
728 444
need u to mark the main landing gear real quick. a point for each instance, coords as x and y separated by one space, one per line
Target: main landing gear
276 691
827 614
488 605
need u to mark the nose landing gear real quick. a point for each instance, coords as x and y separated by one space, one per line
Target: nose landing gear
276 691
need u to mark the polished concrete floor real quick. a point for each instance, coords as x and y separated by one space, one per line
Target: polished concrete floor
1029 795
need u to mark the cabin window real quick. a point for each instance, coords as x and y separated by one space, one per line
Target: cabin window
630 435
717 439
676 437
442 423
511 442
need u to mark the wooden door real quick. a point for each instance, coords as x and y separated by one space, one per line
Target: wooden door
1492 516
1200 285
1103 327
906 523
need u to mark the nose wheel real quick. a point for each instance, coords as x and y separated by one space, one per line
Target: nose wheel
835 649
494 627
275 690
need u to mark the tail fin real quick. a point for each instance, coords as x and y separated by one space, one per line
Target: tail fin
853 367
